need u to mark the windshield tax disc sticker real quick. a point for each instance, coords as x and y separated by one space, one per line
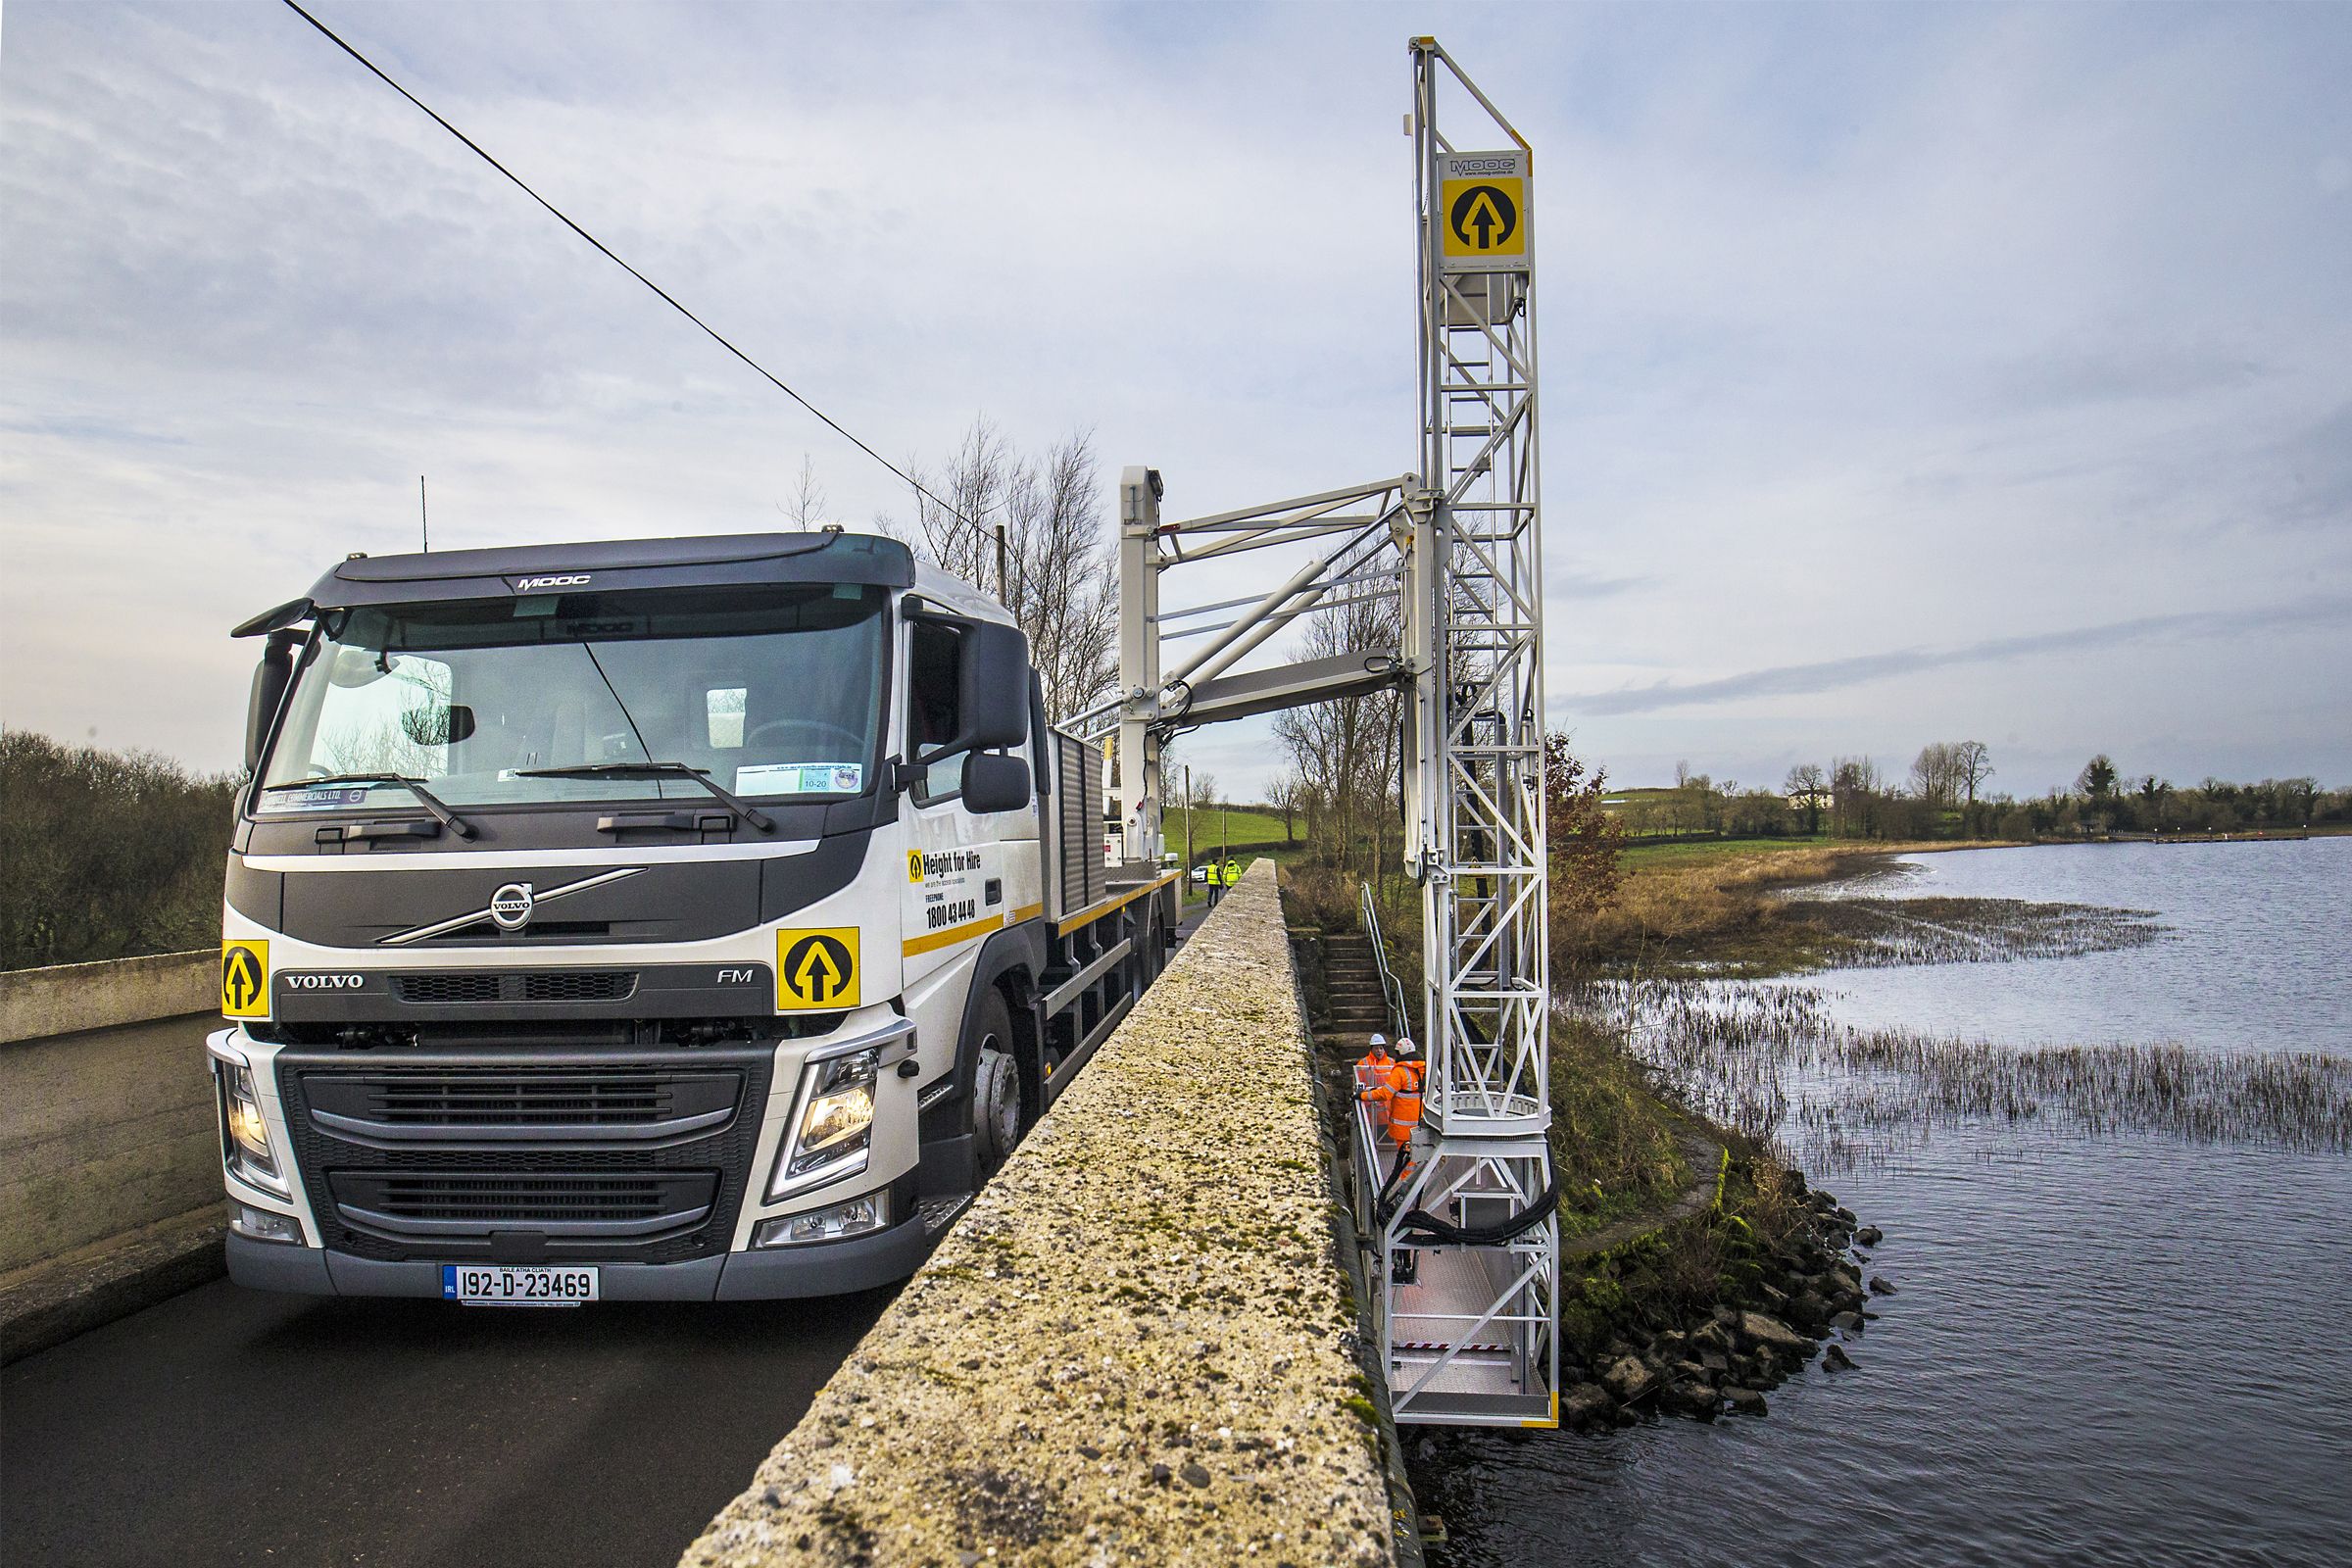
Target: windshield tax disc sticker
816 968
245 979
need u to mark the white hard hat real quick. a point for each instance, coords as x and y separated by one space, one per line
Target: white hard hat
1379 1041
1405 1046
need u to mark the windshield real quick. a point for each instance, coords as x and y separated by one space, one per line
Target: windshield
775 691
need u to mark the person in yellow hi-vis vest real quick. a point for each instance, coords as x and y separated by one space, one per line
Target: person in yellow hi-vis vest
1233 872
1213 878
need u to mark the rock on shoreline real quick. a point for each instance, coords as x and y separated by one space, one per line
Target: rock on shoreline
1727 1359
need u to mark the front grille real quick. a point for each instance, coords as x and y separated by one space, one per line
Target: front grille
566 985
576 1202
517 985
435 988
655 1104
600 1155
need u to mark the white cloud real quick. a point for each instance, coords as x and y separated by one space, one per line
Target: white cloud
1956 327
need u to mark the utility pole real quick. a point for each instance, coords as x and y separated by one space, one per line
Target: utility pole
1188 830
424 522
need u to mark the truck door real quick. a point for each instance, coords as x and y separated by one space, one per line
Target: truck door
955 881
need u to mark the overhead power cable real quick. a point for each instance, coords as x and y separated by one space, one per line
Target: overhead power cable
980 534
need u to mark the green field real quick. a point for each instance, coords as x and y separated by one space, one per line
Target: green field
1669 851
1236 826
1249 831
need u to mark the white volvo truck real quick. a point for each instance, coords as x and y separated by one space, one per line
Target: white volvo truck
669 919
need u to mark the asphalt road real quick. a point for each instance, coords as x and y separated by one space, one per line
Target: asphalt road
228 1426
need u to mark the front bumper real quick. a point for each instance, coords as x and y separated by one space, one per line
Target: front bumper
782 1273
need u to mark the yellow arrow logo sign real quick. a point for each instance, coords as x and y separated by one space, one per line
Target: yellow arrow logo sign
816 968
1486 217
245 979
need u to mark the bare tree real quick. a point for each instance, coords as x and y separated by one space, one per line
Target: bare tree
1039 538
1973 762
1286 795
1345 751
1806 785
1854 796
806 505
1935 775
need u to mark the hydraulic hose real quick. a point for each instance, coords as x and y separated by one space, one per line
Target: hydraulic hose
1384 1204
1425 1228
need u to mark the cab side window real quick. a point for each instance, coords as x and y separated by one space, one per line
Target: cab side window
933 706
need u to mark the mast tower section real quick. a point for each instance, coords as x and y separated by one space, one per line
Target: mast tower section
1459 1222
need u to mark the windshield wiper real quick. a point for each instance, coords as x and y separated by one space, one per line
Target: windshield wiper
652 771
431 802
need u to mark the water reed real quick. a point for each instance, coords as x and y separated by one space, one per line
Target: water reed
1773 1062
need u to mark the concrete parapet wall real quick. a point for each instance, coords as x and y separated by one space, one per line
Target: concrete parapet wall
107 1118
1134 1348
104 1133
68 997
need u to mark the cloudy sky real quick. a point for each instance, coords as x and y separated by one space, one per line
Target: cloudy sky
1910 373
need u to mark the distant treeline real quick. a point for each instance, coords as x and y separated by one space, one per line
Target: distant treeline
1944 795
106 854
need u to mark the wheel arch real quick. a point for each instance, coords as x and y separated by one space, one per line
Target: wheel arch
1008 962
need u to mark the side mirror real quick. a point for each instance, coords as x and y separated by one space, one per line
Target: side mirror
271 678
995 782
994 687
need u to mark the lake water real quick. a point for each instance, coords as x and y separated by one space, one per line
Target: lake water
2120 1348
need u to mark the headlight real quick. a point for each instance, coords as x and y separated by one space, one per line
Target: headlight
247 1132
835 1129
853 1218
263 1225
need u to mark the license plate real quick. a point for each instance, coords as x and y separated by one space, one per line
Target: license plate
498 1286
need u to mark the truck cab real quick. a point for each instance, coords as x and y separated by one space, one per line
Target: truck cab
678 920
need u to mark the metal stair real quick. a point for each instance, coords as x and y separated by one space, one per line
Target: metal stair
1351 983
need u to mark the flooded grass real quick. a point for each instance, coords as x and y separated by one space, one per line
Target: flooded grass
1787 911
1881 933
1772 1062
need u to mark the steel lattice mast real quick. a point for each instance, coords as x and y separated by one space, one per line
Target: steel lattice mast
1474 782
1461 1226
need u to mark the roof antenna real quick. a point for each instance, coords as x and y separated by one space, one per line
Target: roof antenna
424 522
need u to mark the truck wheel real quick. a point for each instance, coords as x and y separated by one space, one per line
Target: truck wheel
996 1088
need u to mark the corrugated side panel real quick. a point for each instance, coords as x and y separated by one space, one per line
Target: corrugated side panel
1080 878
1090 840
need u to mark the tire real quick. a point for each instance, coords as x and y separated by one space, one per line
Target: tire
996 1088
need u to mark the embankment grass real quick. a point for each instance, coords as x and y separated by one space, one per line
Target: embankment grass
1615 1144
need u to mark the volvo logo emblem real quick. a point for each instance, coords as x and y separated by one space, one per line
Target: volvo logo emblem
511 907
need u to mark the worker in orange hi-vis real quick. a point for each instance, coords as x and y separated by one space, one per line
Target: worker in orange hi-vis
1372 1078
1405 1099
1409 1055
